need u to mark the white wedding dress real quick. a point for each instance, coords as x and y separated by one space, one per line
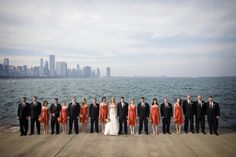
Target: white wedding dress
112 127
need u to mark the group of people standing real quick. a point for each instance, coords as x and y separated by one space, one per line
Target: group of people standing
116 117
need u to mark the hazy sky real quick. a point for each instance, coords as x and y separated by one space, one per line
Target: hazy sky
133 37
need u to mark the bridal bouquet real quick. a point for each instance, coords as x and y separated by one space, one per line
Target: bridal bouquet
107 120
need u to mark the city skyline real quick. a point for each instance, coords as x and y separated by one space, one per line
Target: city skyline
52 69
141 38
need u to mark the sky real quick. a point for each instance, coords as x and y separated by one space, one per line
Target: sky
133 37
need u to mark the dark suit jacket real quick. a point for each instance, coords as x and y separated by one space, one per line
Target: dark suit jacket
74 110
35 110
122 112
94 111
55 110
23 111
188 109
166 112
143 112
213 112
200 110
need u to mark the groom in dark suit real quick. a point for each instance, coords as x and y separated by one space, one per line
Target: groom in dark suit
122 113
143 115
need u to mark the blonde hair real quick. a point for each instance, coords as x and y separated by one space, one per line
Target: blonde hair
63 102
113 99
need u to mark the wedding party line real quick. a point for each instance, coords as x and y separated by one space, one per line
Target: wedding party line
116 117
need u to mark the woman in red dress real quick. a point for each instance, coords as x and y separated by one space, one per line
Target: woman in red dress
103 113
44 117
64 116
155 115
132 113
84 114
178 115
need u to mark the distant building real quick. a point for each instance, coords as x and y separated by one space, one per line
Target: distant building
36 72
6 61
46 69
78 70
61 69
25 70
87 72
98 75
108 72
1 70
6 67
52 65
41 68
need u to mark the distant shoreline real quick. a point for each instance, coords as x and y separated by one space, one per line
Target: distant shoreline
113 77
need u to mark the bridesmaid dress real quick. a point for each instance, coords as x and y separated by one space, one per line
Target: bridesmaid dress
132 115
179 118
155 115
103 113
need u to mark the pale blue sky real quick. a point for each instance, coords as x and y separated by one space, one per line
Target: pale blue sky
134 38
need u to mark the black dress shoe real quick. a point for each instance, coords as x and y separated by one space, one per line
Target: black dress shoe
193 132
169 133
211 133
69 133
21 134
186 132
203 132
91 132
164 132
216 133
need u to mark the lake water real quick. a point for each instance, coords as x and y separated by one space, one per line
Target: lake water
223 89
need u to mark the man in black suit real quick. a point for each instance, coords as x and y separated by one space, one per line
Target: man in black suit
189 112
35 111
166 114
94 114
213 114
200 112
122 113
143 115
73 115
23 116
55 110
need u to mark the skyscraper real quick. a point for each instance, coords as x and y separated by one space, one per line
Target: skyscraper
6 61
108 72
87 72
46 70
25 70
6 66
61 69
52 65
41 68
98 73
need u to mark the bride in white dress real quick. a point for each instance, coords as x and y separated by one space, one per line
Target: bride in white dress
112 127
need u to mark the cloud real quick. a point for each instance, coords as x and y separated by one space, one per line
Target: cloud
104 33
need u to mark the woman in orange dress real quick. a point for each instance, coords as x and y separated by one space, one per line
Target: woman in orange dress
64 116
155 115
178 115
44 117
132 115
84 114
103 113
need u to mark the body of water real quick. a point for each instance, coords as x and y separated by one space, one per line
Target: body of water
223 89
